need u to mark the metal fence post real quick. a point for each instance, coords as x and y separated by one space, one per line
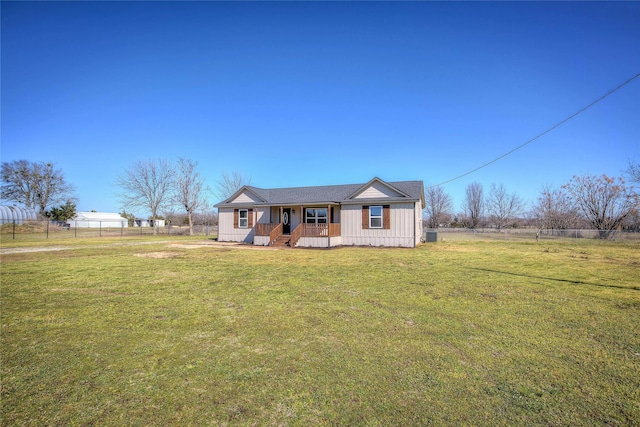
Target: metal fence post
47 232
14 229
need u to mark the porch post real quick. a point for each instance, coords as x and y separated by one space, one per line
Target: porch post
281 212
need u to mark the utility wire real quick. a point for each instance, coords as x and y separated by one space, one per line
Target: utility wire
540 135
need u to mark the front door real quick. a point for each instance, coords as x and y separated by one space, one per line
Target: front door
286 221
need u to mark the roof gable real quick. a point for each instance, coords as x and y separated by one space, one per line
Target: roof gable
246 194
377 189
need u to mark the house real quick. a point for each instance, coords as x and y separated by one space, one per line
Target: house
377 213
97 220
141 222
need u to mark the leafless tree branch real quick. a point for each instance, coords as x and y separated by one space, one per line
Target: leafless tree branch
147 185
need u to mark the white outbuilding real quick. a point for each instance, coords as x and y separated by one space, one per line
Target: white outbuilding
98 220
141 222
17 215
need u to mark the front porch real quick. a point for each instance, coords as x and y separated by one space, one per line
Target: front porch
308 235
298 226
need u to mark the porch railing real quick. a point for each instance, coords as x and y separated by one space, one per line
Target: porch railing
314 230
334 230
273 230
273 235
265 229
320 230
296 234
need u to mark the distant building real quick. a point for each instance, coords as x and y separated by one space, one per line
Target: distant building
140 222
98 220
9 214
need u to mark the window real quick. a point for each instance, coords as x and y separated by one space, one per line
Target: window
316 216
375 216
243 218
311 216
321 215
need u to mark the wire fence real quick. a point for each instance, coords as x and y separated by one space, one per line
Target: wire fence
43 229
36 230
467 234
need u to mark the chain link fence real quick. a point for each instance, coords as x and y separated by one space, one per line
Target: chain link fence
468 234
36 230
43 229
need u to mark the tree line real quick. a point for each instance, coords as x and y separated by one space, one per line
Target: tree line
602 202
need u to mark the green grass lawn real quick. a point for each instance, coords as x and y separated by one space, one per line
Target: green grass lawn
452 333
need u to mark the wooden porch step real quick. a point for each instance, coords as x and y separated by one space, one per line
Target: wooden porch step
282 241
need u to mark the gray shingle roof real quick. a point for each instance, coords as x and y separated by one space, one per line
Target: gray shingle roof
325 193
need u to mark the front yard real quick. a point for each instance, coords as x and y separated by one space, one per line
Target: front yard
452 333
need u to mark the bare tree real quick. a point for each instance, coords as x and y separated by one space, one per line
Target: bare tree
604 201
190 189
438 205
230 183
461 219
632 221
208 219
502 205
147 184
36 185
555 209
633 172
473 204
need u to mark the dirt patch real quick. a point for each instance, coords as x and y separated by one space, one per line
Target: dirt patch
33 249
195 246
220 246
158 255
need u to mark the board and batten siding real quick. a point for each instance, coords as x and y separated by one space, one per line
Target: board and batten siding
319 242
226 230
418 220
402 233
245 197
377 191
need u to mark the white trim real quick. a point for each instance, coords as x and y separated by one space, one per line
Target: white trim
316 217
372 216
240 219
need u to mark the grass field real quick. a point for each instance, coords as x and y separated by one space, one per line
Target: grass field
182 332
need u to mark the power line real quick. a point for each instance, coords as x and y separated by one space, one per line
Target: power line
540 135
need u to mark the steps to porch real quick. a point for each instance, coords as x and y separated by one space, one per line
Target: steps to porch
274 231
282 241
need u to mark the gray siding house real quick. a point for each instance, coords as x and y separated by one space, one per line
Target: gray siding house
377 213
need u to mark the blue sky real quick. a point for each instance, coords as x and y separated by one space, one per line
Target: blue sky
315 93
